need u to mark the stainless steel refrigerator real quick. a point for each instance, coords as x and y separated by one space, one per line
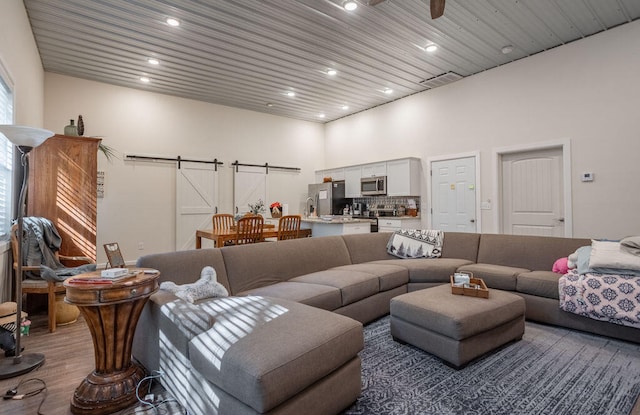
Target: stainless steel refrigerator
327 198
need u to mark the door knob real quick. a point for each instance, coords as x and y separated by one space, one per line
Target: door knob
473 221
560 219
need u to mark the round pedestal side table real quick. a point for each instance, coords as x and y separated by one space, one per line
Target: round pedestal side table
111 310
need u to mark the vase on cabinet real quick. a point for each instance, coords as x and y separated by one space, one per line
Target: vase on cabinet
71 129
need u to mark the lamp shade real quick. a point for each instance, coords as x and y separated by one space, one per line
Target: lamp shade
25 136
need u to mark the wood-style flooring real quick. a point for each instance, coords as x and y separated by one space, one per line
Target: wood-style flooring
69 358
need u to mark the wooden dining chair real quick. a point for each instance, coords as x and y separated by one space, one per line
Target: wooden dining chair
249 230
223 222
289 227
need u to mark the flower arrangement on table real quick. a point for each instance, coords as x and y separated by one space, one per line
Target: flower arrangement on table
256 208
276 209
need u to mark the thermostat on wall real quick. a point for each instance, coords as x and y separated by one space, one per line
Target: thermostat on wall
587 177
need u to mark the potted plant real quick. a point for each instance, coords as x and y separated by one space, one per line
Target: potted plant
276 209
256 208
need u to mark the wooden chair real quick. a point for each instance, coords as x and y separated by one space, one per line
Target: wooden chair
223 222
289 227
249 230
32 286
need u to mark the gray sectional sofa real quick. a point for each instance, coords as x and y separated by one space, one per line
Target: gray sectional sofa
314 282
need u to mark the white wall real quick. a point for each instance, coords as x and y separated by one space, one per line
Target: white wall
587 91
20 59
139 202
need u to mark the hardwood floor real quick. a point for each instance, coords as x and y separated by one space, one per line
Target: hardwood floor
69 358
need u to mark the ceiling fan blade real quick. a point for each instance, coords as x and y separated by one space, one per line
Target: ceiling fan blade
437 8
374 2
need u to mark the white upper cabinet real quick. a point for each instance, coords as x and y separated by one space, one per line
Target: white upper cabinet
374 169
403 177
352 176
335 174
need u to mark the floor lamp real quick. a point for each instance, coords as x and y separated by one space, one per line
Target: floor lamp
25 138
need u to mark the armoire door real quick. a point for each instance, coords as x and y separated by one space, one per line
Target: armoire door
63 189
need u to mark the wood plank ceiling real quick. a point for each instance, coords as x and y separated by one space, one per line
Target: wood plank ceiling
250 53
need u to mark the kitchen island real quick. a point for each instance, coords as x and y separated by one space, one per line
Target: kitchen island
335 225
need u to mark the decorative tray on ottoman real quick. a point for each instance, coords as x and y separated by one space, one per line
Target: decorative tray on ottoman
475 288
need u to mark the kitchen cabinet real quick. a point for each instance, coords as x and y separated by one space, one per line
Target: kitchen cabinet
395 224
321 227
351 229
403 177
374 169
352 176
335 174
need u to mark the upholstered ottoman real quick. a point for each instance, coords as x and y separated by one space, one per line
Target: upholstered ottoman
456 328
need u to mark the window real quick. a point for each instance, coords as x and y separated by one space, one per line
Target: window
6 154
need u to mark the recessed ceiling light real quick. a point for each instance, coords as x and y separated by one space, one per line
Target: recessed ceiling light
269 104
331 72
345 107
350 5
431 48
291 94
153 61
145 79
388 91
321 115
507 50
172 22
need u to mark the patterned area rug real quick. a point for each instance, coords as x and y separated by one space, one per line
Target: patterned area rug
550 371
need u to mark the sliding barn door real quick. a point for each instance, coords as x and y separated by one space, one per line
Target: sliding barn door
197 199
249 186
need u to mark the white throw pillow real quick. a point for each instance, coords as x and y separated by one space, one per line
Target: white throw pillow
631 244
606 254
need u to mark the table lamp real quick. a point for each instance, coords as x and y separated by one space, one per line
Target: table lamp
25 138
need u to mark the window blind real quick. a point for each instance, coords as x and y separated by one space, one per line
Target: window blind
6 158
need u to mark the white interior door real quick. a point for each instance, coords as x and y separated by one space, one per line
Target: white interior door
249 185
453 195
532 193
197 199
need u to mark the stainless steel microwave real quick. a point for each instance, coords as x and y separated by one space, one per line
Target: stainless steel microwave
373 186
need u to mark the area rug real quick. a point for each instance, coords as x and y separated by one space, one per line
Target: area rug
550 371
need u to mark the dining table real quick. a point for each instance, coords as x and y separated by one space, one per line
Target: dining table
219 237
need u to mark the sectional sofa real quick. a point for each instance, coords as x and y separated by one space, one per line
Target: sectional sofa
311 284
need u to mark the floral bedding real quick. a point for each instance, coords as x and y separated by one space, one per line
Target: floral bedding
606 297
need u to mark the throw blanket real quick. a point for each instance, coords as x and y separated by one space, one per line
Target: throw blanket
416 243
605 297
40 243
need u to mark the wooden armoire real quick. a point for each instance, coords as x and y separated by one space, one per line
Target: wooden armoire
63 188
